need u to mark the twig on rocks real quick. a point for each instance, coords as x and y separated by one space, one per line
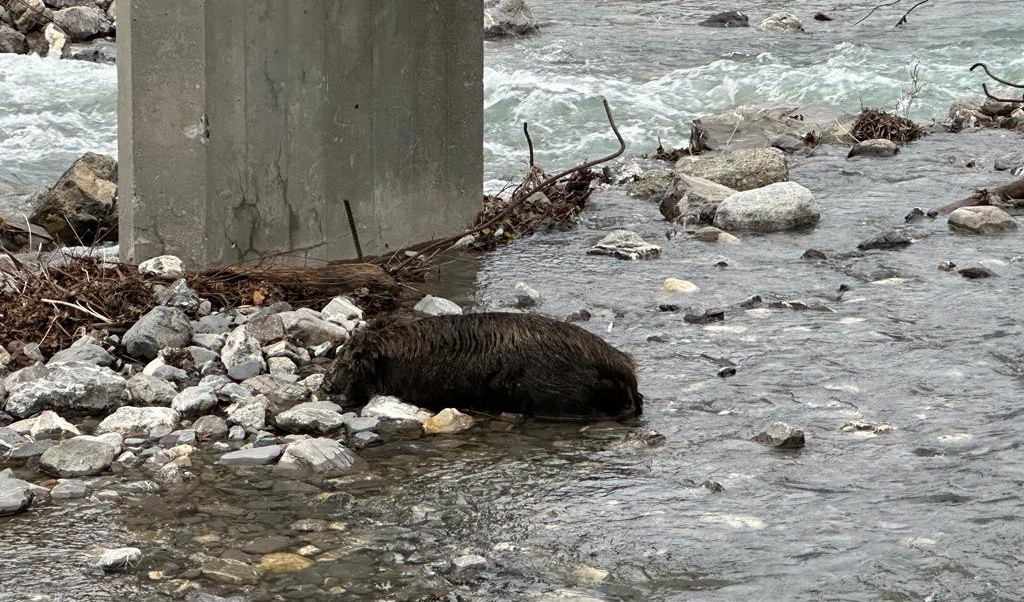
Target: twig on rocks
92 313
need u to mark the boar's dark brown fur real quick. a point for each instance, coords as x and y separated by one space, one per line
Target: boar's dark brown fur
491 363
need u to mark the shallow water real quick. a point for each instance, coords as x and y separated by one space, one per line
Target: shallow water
928 511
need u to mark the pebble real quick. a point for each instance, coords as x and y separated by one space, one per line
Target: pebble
392 408
781 435
676 285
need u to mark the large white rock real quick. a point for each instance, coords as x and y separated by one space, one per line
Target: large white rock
781 206
131 421
783 22
985 219
447 422
392 408
437 306
317 417
342 311
165 267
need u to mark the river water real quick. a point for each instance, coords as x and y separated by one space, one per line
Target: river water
927 511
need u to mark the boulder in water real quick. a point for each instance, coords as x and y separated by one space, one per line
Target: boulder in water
508 18
878 147
757 126
781 435
890 239
741 170
783 22
625 244
693 200
81 208
730 18
983 219
776 207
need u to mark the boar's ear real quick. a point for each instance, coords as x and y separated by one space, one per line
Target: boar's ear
364 364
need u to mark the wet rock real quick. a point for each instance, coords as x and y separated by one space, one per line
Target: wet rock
358 424
12 42
744 169
283 562
650 183
29 451
119 559
87 353
713 234
675 285
145 389
69 489
342 310
888 240
625 244
692 200
366 439
255 456
783 22
80 208
447 422
164 267
195 400
15 495
170 475
508 18
781 435
1010 162
985 219
707 317
974 271
161 328
71 387
468 562
822 17
225 570
879 147
965 114
242 355
47 425
210 428
732 18
323 457
526 296
79 457
776 207
131 421
756 126
859 426
392 408
437 306
308 328
83 23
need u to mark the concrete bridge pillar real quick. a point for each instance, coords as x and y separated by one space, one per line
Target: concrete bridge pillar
246 124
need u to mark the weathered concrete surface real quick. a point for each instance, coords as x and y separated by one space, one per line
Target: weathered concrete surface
245 125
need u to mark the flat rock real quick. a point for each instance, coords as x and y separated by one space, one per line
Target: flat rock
195 400
87 353
743 169
758 126
890 239
321 456
776 207
255 456
974 271
283 562
625 244
984 219
69 489
130 421
78 457
315 417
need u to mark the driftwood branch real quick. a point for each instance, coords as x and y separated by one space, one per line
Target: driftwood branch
903 19
522 195
529 141
1000 80
985 196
